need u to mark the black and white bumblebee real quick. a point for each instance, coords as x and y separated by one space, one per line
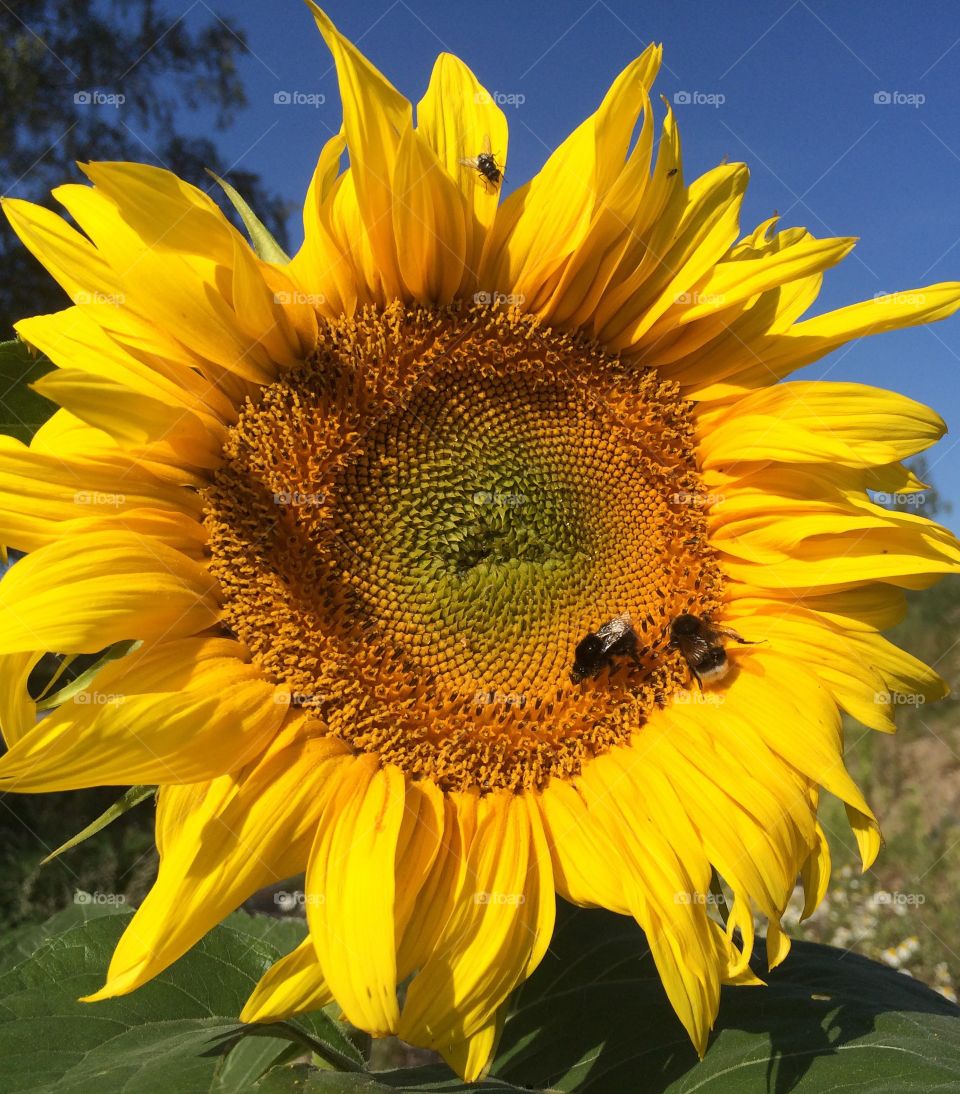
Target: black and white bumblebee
597 651
701 645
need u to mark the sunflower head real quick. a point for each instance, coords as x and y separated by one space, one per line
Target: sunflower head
474 556
415 541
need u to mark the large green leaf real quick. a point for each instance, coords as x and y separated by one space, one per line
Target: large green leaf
420 1080
178 1032
22 410
22 942
594 1018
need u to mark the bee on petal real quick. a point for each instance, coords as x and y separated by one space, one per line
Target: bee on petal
701 645
486 165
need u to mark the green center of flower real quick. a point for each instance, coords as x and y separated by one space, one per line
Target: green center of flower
416 529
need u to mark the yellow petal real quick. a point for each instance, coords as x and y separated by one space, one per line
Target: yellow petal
587 871
83 594
292 985
436 897
471 1058
548 218
103 738
730 285
219 843
75 338
816 875
459 119
497 932
766 684
351 893
662 895
67 255
812 421
709 224
776 354
429 222
18 711
419 844
375 116
169 275
132 418
322 268
39 491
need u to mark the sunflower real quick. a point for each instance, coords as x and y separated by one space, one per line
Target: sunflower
401 529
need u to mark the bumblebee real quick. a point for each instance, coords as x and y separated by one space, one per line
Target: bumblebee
700 643
596 651
485 164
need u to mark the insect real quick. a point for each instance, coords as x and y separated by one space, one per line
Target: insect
597 651
699 641
485 164
672 172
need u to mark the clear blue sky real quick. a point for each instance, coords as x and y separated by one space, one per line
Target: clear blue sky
798 80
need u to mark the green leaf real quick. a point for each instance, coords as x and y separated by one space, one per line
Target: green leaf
261 238
22 410
594 1016
175 1033
22 942
249 1060
415 1080
134 796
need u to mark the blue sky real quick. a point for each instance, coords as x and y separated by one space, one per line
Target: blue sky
790 87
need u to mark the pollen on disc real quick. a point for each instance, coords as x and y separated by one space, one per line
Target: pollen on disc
415 529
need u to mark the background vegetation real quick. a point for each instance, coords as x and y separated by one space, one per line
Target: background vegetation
63 64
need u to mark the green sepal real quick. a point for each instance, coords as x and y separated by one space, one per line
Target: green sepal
68 691
262 240
134 796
